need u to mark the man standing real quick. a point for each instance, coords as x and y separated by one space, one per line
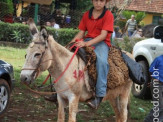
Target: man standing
131 25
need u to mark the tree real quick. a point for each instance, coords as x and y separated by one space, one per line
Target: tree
138 15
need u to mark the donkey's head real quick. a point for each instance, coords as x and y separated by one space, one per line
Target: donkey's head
38 54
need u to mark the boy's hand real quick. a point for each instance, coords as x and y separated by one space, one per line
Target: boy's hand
81 44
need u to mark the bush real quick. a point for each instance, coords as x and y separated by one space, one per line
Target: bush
64 35
19 33
14 33
127 43
6 8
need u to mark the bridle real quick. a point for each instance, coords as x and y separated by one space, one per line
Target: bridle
37 69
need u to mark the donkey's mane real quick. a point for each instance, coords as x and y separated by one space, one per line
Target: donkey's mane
56 46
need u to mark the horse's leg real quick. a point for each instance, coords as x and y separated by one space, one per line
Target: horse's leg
115 105
73 108
61 113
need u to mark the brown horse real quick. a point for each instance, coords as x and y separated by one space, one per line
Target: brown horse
44 53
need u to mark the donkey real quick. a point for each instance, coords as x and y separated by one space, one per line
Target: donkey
44 53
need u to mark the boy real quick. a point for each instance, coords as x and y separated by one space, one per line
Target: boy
98 23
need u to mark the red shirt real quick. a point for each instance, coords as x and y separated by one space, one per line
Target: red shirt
95 26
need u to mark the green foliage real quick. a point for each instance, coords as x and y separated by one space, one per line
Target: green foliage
64 35
14 32
19 33
6 8
121 24
127 14
127 43
138 15
84 5
17 36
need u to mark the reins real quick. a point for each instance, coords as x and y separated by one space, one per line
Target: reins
55 81
51 93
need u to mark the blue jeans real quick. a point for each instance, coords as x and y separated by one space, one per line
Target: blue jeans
130 33
102 66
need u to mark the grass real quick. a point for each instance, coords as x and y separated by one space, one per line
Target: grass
138 108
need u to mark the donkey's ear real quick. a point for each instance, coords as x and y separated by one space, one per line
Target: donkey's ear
32 27
44 33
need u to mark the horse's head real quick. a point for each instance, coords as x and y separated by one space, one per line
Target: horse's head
38 54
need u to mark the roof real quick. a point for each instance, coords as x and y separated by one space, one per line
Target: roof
151 6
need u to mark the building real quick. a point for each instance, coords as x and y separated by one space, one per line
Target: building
153 8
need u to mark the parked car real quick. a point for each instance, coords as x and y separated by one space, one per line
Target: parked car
145 52
6 85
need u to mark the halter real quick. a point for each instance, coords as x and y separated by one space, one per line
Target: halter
37 70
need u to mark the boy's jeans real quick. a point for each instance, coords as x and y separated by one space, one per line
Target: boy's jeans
102 66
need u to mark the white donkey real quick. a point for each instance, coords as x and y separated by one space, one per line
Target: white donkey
44 53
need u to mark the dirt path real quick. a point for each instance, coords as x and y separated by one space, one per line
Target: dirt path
28 107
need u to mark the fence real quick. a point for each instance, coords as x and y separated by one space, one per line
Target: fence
42 14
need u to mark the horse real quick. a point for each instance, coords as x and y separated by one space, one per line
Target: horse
44 53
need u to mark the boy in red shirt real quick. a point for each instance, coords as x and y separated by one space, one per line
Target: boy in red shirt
98 23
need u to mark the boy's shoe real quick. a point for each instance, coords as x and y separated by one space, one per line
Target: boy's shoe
52 98
95 103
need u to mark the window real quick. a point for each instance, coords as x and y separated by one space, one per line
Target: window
156 20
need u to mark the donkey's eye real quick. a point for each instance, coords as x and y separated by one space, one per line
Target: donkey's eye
37 54
25 55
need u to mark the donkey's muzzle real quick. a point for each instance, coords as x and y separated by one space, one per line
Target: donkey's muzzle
25 79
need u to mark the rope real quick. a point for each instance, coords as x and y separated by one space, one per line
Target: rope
78 79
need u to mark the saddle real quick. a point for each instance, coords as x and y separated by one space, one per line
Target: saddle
118 72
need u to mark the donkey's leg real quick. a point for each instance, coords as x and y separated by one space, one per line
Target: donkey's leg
124 101
123 107
61 113
73 108
115 105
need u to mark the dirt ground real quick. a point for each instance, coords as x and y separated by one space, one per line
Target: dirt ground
28 107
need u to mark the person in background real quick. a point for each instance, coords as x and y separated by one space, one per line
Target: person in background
156 70
54 24
48 24
97 24
24 22
138 34
131 25
116 33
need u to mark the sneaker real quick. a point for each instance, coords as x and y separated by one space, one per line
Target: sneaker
52 98
95 103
